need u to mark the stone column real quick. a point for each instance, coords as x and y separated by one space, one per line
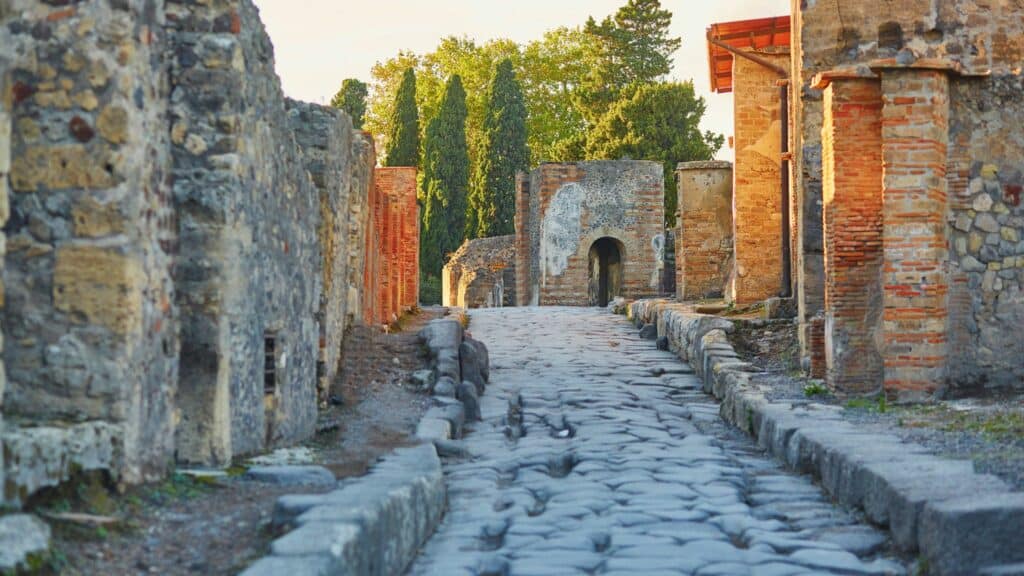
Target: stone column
852 196
704 239
915 135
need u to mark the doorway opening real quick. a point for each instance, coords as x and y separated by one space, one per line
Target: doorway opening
605 271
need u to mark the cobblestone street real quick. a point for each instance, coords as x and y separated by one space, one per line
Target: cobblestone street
599 454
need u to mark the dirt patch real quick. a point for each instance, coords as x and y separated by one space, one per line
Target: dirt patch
219 525
771 345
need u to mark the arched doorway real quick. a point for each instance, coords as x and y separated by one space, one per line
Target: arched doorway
605 271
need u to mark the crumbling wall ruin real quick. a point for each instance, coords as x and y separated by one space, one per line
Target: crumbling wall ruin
173 225
481 274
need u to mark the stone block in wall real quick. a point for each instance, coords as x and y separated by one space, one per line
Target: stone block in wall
704 242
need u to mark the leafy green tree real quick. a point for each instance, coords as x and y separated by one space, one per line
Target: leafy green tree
445 180
633 47
656 122
351 99
492 197
403 144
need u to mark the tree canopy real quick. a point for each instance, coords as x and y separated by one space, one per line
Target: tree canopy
445 180
403 144
503 153
351 99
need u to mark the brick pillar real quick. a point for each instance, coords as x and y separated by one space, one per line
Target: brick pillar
852 204
915 134
757 196
522 242
704 238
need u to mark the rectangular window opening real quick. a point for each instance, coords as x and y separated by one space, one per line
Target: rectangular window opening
269 362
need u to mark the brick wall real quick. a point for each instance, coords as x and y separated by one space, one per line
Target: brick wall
523 243
571 206
915 131
397 231
757 205
852 195
704 243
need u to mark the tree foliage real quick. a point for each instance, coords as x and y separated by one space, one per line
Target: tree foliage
503 153
351 99
445 180
656 122
403 145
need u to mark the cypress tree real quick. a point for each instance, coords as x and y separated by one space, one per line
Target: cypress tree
403 145
505 152
352 100
445 180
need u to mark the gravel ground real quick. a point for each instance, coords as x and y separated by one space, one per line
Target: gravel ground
989 431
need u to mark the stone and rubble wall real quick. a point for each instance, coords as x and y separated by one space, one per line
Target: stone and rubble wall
951 221
363 159
89 321
325 136
757 196
704 241
481 274
167 246
572 206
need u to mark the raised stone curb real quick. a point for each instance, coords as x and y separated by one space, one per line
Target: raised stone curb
373 525
960 521
461 369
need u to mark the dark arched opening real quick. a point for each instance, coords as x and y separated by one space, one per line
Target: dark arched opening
605 271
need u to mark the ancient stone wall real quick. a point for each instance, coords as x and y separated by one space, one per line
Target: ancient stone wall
5 166
325 136
985 179
757 196
704 245
363 160
574 205
90 337
481 274
524 293
249 217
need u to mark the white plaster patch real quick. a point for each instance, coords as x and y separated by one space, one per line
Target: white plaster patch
560 230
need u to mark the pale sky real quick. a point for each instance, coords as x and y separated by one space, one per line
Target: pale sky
318 43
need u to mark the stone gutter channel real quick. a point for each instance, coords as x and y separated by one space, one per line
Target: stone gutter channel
959 521
376 524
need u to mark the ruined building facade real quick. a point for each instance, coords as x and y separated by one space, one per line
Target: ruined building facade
588 232
481 274
185 249
877 181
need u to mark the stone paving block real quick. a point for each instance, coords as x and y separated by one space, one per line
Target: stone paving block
297 475
968 534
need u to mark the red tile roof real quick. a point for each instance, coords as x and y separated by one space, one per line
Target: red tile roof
758 34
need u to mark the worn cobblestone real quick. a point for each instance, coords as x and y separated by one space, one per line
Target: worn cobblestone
598 454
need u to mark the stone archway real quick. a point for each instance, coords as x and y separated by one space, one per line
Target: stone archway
605 268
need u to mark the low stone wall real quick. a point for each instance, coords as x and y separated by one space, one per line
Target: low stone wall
372 525
959 521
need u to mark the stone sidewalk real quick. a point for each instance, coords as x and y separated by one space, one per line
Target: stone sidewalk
598 454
